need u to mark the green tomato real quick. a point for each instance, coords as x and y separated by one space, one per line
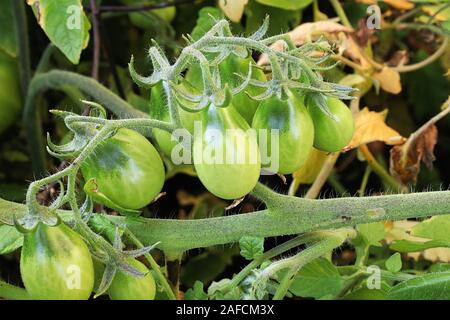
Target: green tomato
295 131
228 69
10 104
332 135
159 110
128 287
55 264
125 172
226 156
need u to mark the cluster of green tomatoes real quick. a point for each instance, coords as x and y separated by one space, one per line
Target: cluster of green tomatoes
126 172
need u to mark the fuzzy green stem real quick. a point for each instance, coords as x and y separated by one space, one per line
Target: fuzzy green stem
162 279
315 251
290 215
341 13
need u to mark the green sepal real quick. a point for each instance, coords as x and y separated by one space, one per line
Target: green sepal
92 190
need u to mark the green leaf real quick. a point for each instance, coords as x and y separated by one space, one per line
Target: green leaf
439 267
280 20
286 4
412 246
251 247
366 294
10 239
432 286
394 262
8 41
196 292
369 234
317 279
65 24
205 21
435 228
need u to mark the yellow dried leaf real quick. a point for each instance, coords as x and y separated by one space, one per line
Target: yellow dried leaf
309 171
233 9
389 80
400 4
370 126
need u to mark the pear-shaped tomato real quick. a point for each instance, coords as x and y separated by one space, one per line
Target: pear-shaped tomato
124 172
55 264
295 132
128 287
228 69
9 92
226 153
159 110
332 134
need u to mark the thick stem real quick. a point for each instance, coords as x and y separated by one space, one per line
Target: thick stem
291 216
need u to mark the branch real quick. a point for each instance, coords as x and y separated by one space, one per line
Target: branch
287 216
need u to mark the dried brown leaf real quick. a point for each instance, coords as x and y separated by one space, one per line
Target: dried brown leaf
405 160
389 80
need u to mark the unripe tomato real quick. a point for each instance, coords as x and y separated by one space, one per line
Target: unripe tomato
159 110
296 130
55 264
226 156
128 287
332 134
126 169
9 92
231 65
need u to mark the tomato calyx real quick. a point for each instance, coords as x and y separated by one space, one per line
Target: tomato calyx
91 188
119 262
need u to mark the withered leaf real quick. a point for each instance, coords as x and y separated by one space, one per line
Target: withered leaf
370 126
405 159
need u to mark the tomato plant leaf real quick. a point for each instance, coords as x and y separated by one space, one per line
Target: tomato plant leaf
432 286
196 292
394 262
413 246
65 24
10 239
317 279
251 247
434 228
287 4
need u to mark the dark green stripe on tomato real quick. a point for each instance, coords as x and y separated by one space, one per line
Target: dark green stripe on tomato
55 264
126 169
296 130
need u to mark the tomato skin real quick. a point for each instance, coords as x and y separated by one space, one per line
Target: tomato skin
332 135
127 287
160 111
127 169
245 105
226 179
10 103
51 260
296 130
